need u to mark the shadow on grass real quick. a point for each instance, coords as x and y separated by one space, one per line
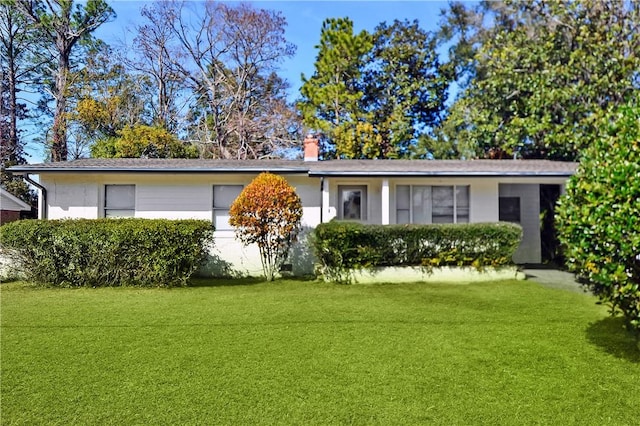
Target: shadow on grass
224 282
609 334
245 281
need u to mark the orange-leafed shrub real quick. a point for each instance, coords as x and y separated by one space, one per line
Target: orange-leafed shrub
268 212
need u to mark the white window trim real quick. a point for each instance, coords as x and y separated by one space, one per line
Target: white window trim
104 199
455 201
225 231
364 210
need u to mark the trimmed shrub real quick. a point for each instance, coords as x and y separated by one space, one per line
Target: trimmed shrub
344 246
599 217
268 212
108 252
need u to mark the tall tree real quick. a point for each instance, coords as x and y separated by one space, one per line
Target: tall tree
16 72
331 98
13 50
63 26
107 99
540 75
155 56
229 54
405 86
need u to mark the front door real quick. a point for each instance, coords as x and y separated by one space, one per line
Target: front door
550 245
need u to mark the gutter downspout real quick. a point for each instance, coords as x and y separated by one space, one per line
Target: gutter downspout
42 196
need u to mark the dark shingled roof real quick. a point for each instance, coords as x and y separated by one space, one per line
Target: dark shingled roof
360 168
442 168
164 165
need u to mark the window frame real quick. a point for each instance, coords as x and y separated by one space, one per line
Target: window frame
457 218
216 210
106 208
364 201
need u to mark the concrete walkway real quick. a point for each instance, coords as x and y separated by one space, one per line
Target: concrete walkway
554 278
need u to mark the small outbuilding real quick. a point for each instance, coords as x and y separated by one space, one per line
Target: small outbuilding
11 207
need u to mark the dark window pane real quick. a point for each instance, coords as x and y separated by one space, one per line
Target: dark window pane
509 209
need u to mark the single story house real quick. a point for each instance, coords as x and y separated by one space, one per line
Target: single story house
11 207
370 191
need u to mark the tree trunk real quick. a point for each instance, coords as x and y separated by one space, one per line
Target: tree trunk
10 152
12 156
59 130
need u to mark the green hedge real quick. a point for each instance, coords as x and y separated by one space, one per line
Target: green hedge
108 252
344 246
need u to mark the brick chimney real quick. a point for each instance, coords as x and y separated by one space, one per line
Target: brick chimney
311 147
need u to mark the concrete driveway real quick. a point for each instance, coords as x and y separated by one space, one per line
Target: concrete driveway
554 278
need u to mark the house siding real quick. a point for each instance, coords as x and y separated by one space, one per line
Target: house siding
529 250
8 204
70 197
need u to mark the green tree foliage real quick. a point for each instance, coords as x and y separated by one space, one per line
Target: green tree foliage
332 96
14 70
63 25
537 74
106 99
268 212
374 95
143 142
16 74
405 86
599 217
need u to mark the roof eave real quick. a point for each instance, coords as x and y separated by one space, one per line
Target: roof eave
439 174
24 170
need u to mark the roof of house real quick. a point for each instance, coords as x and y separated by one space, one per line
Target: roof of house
10 202
442 168
312 168
162 165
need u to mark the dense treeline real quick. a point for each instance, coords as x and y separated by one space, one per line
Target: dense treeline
498 79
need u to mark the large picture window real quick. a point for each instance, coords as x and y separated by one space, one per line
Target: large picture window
119 200
223 197
352 202
432 204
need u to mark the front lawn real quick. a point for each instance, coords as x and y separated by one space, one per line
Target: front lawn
295 352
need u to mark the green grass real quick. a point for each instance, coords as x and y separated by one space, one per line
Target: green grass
296 352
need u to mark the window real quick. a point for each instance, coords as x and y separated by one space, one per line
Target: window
223 197
462 203
432 204
119 200
509 209
352 202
